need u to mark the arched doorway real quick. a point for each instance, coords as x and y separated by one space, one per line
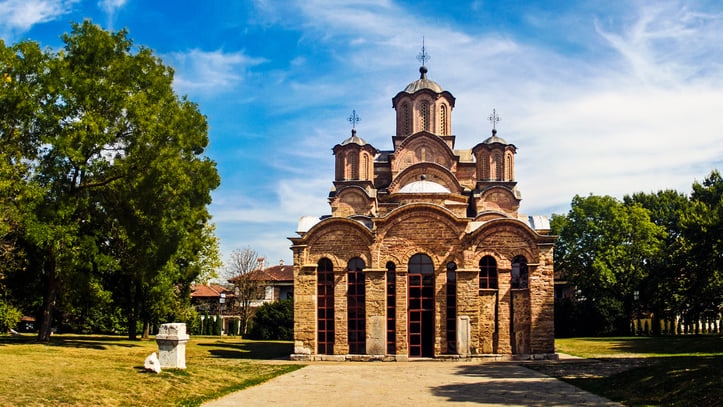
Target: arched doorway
420 306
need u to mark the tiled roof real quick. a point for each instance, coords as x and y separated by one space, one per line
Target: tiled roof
210 290
280 273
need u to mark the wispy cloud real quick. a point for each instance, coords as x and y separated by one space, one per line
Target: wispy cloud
201 72
18 16
110 7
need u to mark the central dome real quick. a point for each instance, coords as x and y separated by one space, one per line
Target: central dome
423 83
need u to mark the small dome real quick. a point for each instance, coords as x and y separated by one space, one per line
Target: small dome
494 139
354 139
424 186
423 83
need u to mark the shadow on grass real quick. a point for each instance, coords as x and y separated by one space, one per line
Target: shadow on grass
667 380
665 345
99 342
247 349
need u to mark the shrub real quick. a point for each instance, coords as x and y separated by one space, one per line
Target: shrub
9 316
274 321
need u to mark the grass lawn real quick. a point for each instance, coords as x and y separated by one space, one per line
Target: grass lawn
85 370
656 371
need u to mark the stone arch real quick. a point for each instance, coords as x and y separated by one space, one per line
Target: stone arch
499 228
337 239
433 172
436 149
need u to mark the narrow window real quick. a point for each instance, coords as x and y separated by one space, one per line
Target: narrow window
354 166
356 307
496 166
365 167
519 272
424 112
406 119
484 166
509 167
451 308
325 307
487 273
391 308
443 120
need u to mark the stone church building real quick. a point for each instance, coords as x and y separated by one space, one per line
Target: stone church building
425 254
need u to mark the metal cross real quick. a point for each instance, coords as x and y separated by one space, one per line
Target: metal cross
353 119
423 57
494 118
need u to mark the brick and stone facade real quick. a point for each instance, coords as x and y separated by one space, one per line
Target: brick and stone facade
425 253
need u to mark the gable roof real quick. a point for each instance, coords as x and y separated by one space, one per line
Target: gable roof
209 291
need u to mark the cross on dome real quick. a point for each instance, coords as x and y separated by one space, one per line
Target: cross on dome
423 56
494 118
353 119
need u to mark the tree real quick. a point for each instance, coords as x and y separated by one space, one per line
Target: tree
703 229
603 250
662 291
274 321
239 272
109 180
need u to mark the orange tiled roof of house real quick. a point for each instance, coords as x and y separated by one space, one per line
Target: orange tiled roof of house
274 273
208 290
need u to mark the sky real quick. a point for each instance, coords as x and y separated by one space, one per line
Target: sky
600 97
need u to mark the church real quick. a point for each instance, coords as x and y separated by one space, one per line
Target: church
424 254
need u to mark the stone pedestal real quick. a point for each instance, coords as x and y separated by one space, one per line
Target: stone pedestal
171 341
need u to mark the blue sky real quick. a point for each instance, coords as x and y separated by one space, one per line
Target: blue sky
602 97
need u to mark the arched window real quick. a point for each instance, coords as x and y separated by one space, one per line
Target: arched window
420 308
519 272
340 167
487 272
484 166
356 306
443 120
451 308
391 308
325 307
497 166
509 167
365 167
406 119
354 160
424 114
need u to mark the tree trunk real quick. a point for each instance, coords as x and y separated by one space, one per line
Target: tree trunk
146 329
50 298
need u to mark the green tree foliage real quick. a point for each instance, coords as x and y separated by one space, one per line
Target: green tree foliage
603 250
703 229
657 256
106 185
9 316
661 292
274 321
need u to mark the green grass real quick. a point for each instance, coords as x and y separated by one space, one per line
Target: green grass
667 371
82 370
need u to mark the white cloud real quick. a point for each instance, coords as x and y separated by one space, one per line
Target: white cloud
18 16
209 72
110 7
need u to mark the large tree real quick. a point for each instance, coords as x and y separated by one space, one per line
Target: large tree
603 250
662 291
703 229
113 164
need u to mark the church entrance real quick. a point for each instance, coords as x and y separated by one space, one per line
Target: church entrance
420 306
